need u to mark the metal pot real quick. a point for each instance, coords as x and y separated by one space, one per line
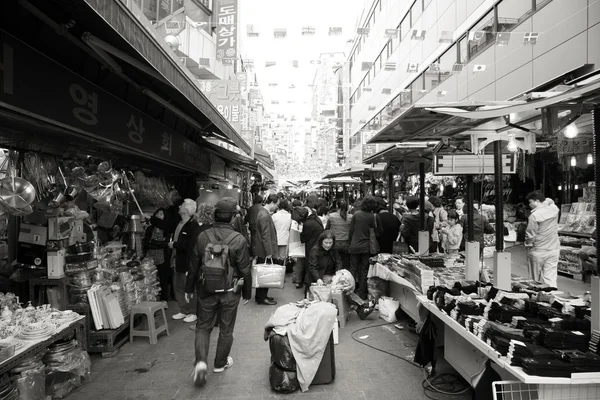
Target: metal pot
58 200
71 193
17 192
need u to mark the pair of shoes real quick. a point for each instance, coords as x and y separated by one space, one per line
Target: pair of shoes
228 365
190 318
268 302
179 316
200 374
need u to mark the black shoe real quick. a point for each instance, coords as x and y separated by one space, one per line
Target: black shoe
299 286
270 298
267 302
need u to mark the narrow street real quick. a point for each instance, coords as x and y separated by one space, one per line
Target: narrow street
142 371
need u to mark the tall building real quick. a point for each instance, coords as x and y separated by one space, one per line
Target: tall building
437 51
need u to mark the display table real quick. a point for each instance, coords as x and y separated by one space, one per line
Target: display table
32 347
468 354
400 289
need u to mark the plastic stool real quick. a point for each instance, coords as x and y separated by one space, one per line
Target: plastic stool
339 300
149 309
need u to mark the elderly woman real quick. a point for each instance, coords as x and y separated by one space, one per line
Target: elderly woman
323 261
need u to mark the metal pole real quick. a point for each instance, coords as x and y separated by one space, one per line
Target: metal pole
364 185
499 193
391 193
469 201
596 132
345 192
422 196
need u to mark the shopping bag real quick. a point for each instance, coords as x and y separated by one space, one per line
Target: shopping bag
320 293
387 308
296 247
400 247
268 275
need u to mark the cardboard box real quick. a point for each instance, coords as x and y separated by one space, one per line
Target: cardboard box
31 254
56 264
78 234
60 228
33 234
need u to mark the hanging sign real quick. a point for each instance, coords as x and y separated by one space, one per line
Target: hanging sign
34 84
471 164
569 147
227 23
217 167
226 96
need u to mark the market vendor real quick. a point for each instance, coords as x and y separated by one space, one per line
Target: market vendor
541 239
324 260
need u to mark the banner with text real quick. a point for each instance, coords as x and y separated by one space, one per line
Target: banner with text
227 29
226 96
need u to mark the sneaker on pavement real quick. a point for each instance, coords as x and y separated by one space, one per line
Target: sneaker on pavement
179 316
190 318
228 365
200 374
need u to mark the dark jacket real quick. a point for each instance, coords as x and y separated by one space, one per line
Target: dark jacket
391 227
252 215
362 222
299 214
311 230
480 226
264 235
322 262
153 244
239 259
240 226
183 243
411 226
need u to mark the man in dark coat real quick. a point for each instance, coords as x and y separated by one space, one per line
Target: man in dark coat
263 237
391 227
311 231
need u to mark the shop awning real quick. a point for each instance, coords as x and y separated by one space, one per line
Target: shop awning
115 23
356 173
265 172
263 157
404 157
234 160
338 181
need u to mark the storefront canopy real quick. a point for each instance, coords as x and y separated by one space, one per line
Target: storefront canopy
114 23
403 156
338 181
355 173
427 122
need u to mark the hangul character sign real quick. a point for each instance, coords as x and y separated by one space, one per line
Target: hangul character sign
87 112
136 130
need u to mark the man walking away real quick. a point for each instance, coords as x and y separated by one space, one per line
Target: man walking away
264 244
216 279
541 239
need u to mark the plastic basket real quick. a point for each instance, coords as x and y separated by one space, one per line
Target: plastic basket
516 390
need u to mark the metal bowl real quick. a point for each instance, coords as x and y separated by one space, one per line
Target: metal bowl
17 192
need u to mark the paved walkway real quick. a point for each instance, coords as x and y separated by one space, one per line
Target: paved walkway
145 372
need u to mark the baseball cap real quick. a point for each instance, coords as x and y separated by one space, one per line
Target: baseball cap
227 204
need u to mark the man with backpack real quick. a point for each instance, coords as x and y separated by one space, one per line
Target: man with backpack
219 270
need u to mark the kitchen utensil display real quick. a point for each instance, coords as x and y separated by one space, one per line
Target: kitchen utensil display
79 248
17 192
71 192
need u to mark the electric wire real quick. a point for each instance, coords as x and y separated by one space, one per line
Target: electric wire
448 387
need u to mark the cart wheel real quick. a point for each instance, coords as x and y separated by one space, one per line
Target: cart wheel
110 354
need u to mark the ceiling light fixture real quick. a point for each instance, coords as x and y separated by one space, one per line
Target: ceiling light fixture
512 145
590 159
576 187
573 161
559 187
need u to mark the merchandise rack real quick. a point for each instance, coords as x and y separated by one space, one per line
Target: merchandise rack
467 353
77 327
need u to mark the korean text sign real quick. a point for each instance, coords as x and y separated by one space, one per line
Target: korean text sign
226 96
227 27
33 82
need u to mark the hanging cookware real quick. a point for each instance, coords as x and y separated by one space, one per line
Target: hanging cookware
71 193
17 192
58 200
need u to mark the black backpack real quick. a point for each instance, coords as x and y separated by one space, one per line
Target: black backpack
216 273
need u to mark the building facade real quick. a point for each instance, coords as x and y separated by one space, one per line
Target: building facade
439 51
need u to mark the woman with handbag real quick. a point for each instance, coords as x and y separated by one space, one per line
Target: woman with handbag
365 228
156 247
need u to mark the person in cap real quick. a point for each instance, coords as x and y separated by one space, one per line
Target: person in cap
218 308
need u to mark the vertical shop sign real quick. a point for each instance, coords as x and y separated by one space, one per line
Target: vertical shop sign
227 24
225 95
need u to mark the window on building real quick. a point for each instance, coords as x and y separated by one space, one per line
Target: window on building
482 35
432 78
511 13
389 49
416 11
405 26
463 50
447 61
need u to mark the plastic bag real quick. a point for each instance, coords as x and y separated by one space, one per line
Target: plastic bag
268 276
320 293
32 384
387 308
281 353
377 287
295 247
343 281
283 381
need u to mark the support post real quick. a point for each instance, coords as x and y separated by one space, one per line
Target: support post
424 233
471 247
502 260
345 192
373 184
596 280
391 191
364 185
